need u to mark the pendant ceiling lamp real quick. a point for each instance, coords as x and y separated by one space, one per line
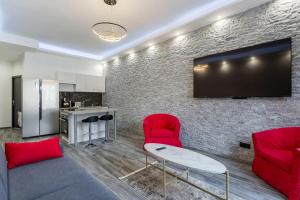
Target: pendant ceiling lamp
109 31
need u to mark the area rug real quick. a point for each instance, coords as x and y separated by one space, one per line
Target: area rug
149 183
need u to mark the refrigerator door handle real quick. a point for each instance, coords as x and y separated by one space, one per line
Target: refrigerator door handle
40 100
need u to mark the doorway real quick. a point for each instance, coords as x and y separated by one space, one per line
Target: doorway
16 101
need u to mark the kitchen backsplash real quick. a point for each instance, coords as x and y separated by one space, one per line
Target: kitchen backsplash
89 98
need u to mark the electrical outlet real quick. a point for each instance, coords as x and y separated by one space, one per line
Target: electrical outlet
245 145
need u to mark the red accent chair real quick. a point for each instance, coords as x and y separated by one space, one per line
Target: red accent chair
277 159
163 129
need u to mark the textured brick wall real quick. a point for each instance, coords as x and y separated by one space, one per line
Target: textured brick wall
160 79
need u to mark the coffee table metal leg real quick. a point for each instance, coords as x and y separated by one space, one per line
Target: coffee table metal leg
187 174
227 184
164 178
146 159
115 125
147 165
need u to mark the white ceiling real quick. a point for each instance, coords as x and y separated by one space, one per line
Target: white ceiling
64 25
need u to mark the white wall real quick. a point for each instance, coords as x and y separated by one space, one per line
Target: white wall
44 65
5 93
18 66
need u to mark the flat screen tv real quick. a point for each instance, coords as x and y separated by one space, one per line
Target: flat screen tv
262 70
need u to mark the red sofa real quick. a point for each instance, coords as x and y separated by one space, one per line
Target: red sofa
162 128
277 159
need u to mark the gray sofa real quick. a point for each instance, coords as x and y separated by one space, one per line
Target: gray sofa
56 179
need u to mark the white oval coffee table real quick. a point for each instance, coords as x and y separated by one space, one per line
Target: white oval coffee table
187 159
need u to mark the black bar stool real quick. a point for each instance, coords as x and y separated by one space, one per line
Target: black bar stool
90 120
106 118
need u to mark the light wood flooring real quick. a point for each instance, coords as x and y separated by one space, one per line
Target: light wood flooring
107 162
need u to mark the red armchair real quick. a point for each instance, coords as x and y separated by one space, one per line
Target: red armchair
162 128
277 159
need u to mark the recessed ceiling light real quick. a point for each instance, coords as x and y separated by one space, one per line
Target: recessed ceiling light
150 44
130 52
177 33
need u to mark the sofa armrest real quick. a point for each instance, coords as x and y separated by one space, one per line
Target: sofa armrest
272 139
147 129
295 182
257 143
296 161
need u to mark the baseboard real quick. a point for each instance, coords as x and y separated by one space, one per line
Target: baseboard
4 127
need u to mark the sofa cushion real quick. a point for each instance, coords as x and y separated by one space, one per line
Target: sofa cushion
162 133
3 176
18 154
280 158
54 179
87 190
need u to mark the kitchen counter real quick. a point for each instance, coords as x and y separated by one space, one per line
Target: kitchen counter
88 110
78 131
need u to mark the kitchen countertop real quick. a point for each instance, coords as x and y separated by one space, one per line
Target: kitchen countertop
88 110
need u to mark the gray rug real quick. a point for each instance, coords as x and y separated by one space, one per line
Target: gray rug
149 183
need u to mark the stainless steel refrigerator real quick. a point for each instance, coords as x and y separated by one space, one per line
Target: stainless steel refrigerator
40 107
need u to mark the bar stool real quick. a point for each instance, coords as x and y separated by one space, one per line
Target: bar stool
90 120
106 118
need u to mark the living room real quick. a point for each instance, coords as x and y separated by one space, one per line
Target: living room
189 100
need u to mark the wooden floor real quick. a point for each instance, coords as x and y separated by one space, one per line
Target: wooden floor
107 162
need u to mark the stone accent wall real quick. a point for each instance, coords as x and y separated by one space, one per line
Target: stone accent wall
160 79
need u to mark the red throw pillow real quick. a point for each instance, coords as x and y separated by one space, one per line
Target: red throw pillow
18 154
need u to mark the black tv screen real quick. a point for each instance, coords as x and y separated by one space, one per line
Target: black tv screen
262 70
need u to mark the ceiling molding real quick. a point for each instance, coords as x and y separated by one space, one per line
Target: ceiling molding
18 40
65 51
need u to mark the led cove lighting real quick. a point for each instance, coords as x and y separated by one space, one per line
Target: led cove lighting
179 22
53 48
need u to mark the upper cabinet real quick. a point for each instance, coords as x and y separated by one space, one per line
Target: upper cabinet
95 84
66 77
82 82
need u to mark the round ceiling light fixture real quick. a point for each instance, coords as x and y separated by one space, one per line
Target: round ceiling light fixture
108 31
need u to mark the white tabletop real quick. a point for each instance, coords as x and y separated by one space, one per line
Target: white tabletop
186 158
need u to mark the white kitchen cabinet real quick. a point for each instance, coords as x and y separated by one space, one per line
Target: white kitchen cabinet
81 83
95 84
66 87
88 83
101 84
66 77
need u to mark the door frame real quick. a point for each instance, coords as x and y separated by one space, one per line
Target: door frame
12 98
